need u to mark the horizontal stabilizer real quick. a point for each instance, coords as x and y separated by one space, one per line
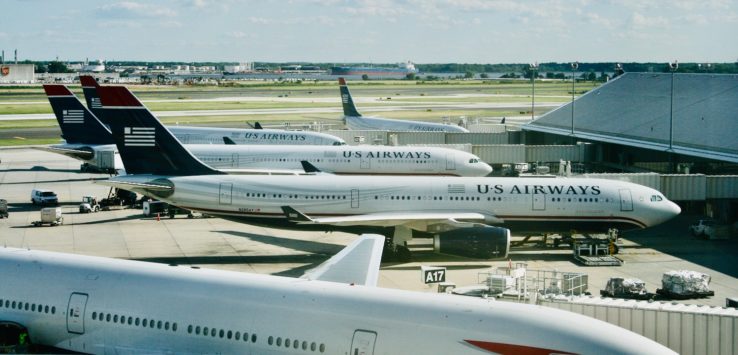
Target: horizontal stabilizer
294 215
74 153
228 141
257 125
134 184
357 264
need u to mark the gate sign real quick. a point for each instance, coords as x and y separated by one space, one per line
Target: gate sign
433 274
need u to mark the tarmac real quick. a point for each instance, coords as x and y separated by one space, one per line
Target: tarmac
220 244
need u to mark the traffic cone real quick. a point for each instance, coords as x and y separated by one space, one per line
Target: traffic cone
157 217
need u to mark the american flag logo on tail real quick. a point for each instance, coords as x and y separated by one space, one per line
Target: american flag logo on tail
73 116
139 136
344 98
96 102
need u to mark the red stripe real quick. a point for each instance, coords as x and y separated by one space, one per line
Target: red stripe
502 348
88 81
57 90
117 96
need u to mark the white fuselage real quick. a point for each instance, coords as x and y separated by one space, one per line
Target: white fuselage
388 124
520 204
344 159
340 159
212 135
98 305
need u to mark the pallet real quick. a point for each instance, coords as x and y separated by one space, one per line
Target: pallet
602 260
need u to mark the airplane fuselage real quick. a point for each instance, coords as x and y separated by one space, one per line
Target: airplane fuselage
388 124
525 205
213 135
98 305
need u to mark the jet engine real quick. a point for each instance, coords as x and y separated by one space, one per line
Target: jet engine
485 242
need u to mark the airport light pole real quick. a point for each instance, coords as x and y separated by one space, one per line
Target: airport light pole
672 68
533 74
574 67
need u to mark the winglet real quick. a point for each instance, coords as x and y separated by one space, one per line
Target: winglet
309 168
349 109
257 125
294 215
228 141
356 264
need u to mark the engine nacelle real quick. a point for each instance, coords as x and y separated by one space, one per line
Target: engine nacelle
477 242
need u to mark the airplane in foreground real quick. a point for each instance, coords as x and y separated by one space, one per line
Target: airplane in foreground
466 216
355 121
213 135
88 139
108 306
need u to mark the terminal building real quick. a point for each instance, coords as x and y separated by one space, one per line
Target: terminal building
17 73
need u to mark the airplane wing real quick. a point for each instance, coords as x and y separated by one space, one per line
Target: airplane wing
75 153
451 218
356 264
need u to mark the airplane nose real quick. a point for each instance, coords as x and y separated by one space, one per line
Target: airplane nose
675 209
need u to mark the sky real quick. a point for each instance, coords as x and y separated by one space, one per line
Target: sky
378 31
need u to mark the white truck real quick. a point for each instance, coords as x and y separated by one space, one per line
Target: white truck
44 197
703 228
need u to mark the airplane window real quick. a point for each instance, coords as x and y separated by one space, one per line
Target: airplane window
656 198
174 327
237 335
33 307
94 315
312 346
221 333
229 334
253 338
213 332
166 326
122 319
197 330
287 343
296 344
304 345
279 341
130 320
115 318
107 317
322 348
144 322
152 324
26 307
189 329
138 321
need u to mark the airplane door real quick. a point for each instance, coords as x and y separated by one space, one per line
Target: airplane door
363 342
354 198
76 313
539 202
450 161
626 200
226 193
366 163
234 160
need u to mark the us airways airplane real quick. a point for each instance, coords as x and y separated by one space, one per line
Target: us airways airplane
89 140
463 214
354 120
212 135
108 306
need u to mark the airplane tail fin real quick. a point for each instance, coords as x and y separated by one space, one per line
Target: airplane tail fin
89 88
356 264
257 125
77 123
144 144
349 109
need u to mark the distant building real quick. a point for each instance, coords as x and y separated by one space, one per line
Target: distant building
17 73
244 67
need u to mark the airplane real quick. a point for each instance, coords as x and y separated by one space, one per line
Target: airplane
466 216
88 140
355 121
98 305
213 135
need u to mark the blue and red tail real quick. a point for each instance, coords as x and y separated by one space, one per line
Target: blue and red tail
89 88
144 144
77 123
349 109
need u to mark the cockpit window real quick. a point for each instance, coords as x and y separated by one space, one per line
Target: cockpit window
656 198
339 143
473 161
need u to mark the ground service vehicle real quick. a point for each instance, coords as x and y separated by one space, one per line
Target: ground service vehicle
43 197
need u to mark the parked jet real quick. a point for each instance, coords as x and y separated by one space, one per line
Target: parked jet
354 120
463 214
212 135
99 305
91 141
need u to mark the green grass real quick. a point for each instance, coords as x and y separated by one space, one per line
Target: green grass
34 141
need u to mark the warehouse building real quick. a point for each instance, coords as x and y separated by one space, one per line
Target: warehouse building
17 73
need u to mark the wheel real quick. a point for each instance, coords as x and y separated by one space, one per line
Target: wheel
96 209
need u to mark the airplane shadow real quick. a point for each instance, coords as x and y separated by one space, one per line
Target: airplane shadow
29 207
236 259
673 238
301 245
102 221
40 168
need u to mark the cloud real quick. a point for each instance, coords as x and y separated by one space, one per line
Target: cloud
260 20
240 35
135 9
599 21
640 21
